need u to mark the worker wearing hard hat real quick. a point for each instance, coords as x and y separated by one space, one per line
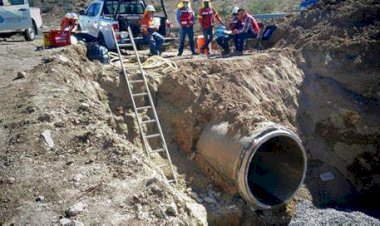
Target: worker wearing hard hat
70 22
207 16
186 20
149 29
224 39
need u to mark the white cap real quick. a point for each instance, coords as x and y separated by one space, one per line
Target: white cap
150 8
235 10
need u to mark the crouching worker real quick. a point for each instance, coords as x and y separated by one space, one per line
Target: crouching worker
186 20
70 22
149 30
223 40
249 29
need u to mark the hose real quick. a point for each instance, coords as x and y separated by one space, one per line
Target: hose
151 63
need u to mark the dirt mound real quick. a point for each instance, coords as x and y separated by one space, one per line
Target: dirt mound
339 45
92 173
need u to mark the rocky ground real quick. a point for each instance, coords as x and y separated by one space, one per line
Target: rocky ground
325 87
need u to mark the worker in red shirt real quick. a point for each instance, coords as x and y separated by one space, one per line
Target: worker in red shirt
186 21
207 16
249 29
70 22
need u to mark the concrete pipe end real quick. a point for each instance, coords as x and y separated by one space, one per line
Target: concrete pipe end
272 169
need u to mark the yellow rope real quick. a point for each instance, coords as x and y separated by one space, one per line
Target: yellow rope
151 63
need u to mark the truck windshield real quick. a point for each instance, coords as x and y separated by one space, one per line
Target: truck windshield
126 7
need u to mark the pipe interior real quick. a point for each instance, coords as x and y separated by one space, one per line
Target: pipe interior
276 170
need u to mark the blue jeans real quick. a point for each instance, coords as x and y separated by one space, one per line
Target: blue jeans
209 36
189 32
223 42
240 39
155 41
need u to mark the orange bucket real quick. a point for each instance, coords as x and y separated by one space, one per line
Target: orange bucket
201 41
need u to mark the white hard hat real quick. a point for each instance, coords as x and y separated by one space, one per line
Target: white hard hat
206 0
235 10
150 8
72 16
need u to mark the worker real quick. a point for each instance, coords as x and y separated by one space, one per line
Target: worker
186 20
149 29
249 29
223 40
207 16
70 22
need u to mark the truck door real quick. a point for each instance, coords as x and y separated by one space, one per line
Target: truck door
90 21
14 15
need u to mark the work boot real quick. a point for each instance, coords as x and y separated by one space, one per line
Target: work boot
226 52
179 54
195 53
238 53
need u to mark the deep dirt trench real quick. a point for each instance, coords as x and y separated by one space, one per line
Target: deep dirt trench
241 91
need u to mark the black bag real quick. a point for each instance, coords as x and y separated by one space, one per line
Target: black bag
268 32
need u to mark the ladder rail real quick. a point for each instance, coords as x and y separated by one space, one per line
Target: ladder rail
152 104
130 91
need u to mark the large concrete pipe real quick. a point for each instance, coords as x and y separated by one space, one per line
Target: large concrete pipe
267 167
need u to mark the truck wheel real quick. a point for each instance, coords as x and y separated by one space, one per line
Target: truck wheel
30 34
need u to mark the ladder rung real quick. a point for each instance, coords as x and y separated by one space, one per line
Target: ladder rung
143 108
163 165
158 150
136 81
171 181
125 45
140 94
153 135
148 121
121 33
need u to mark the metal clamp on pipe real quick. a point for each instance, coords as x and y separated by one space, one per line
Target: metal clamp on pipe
267 167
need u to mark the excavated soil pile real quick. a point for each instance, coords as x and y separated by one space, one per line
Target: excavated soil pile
91 173
339 48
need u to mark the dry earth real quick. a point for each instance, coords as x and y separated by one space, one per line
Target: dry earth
325 87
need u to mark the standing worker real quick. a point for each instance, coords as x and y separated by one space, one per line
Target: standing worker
149 30
224 39
207 16
186 20
249 29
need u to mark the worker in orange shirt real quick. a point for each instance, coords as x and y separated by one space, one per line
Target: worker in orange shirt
207 16
149 30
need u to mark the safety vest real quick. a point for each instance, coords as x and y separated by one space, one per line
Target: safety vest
208 18
67 24
187 17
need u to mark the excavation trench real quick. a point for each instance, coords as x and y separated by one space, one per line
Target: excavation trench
265 163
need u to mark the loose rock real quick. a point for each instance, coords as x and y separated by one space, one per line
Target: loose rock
75 209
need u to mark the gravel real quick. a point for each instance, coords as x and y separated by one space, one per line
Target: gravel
307 213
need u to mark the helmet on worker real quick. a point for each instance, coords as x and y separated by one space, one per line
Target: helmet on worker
150 8
235 10
206 3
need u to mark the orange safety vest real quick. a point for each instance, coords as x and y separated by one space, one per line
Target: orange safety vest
146 23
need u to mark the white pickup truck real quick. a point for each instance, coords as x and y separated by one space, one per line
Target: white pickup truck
16 17
102 15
